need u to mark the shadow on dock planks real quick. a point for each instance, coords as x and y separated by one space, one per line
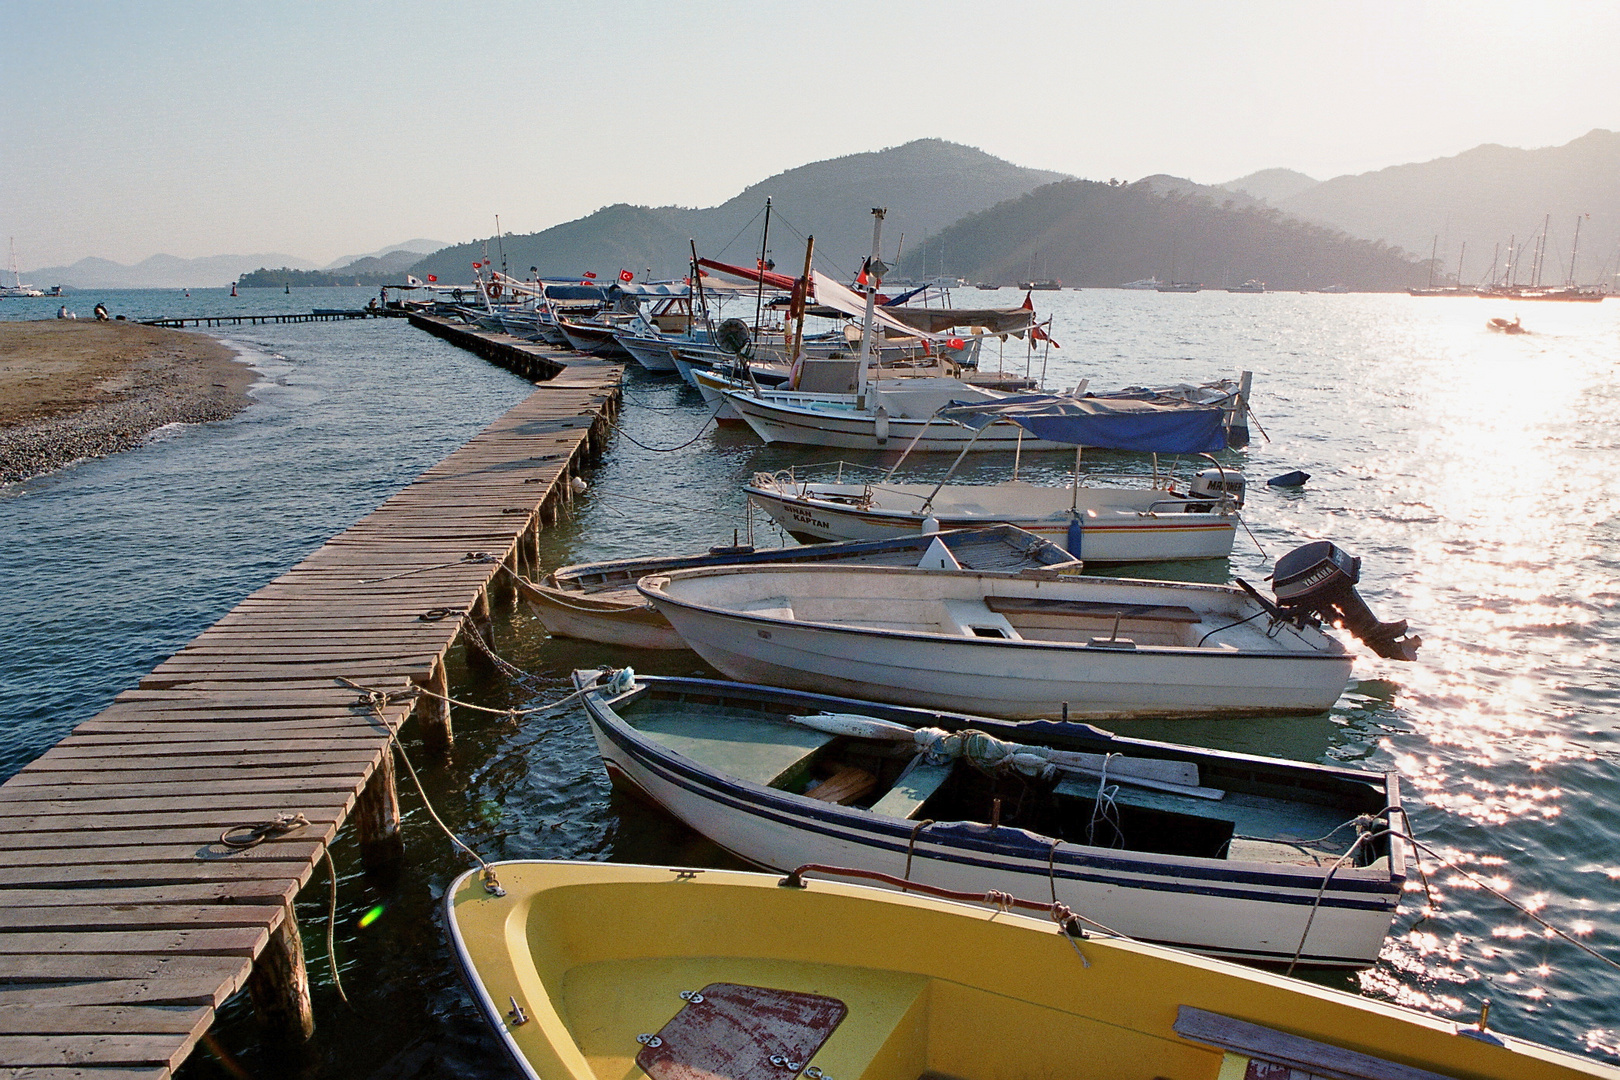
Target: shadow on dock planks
124 921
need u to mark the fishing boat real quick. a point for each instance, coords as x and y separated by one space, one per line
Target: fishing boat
1031 647
1179 286
1143 284
597 970
1041 285
1253 285
1225 854
599 602
1108 524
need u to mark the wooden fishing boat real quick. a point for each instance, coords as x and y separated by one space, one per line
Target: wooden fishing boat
1226 854
1012 646
599 601
599 971
1100 524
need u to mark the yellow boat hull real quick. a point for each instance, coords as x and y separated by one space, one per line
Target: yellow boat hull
577 960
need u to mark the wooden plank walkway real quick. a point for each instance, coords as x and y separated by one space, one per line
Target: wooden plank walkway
179 322
124 922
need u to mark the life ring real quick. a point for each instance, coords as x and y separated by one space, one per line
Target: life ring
495 290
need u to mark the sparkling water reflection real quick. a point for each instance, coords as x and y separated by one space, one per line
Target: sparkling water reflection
1474 473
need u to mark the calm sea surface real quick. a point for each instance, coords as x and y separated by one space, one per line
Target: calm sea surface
1475 474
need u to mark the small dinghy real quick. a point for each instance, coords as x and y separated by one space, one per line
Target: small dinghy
1029 648
592 971
1226 854
1505 326
599 601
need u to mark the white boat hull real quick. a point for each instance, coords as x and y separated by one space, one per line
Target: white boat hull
1235 909
928 638
1112 534
836 424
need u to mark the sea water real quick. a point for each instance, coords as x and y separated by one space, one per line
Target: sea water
1475 474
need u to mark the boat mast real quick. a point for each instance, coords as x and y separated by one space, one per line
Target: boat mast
872 271
764 241
1460 255
804 300
697 283
1541 251
1434 252
500 244
1570 281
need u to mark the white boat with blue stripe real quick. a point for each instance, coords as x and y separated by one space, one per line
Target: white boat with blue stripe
1227 854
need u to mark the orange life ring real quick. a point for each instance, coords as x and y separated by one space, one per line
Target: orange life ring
495 290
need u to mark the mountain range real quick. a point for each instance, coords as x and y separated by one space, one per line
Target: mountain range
1093 234
926 185
1484 197
211 271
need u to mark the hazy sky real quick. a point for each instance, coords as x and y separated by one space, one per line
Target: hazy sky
320 130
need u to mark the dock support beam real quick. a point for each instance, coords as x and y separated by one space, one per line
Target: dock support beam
377 816
279 985
435 711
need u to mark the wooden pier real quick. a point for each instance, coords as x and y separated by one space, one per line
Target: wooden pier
181 322
125 922
526 358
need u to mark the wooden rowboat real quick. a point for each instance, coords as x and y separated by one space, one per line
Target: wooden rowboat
591 971
1226 854
599 601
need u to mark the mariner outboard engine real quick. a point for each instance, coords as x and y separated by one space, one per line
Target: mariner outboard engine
1214 484
1318 581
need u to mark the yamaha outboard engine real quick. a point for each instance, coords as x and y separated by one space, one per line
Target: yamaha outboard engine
1214 484
1319 581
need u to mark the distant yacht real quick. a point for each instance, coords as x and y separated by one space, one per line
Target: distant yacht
1179 286
1252 285
1142 283
1334 289
1038 284
17 288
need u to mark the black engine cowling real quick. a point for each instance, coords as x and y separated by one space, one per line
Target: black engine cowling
1319 580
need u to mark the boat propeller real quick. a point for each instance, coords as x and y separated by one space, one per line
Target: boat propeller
1317 582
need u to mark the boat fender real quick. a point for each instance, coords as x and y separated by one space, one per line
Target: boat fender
855 726
930 524
1076 532
578 485
880 426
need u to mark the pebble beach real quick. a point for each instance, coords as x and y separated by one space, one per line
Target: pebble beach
73 389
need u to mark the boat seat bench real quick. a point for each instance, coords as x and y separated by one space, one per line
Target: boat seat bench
1095 609
744 747
1249 815
912 789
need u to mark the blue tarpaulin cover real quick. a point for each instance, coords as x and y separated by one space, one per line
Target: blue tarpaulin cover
1108 425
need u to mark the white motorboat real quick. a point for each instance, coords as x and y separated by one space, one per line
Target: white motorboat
1227 854
1099 524
1032 646
599 602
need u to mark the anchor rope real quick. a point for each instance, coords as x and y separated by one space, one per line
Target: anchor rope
671 449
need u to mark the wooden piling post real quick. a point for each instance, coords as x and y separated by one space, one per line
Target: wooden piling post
377 816
480 621
435 711
279 984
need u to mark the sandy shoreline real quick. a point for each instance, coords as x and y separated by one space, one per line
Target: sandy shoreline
78 389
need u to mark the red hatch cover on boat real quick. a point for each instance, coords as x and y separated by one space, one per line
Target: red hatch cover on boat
742 1033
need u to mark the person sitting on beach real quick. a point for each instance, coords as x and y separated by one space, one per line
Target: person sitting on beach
101 313
63 313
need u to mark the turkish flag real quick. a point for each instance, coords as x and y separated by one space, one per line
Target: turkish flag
956 343
1029 305
433 277
625 275
861 278
589 274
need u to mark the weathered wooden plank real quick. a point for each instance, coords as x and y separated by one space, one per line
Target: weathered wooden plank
323 822
75 1072
290 785
16 1019
159 873
203 990
242 941
268 755
139 916
231 971
295 851
99 804
251 892
47 1050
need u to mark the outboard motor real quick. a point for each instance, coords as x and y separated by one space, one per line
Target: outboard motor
1213 484
1318 581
